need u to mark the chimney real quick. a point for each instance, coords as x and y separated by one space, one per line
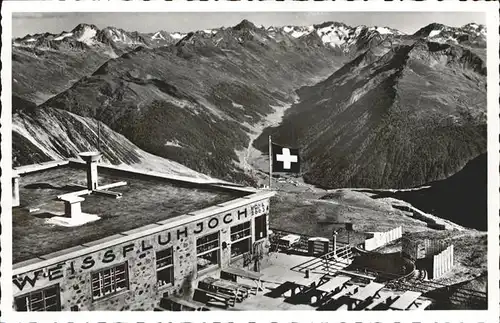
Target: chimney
91 158
73 207
15 189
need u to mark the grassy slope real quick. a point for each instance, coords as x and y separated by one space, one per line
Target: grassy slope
309 214
47 134
40 74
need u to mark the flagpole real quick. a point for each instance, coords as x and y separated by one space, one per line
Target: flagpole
98 136
270 162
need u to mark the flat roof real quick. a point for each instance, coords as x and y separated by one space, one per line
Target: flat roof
145 200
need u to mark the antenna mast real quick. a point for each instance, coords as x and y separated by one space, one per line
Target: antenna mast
270 163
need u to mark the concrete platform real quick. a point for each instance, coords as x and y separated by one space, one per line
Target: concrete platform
71 222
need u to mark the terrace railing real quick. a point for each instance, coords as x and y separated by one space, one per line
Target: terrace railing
302 245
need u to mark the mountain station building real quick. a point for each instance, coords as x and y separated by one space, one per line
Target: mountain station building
88 236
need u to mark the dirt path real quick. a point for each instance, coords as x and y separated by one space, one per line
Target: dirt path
250 158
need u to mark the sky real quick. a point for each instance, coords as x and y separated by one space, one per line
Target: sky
408 22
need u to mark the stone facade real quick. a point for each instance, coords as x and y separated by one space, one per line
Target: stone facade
73 275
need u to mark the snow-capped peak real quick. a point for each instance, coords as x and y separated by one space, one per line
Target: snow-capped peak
87 34
335 34
210 31
177 35
440 33
158 35
383 30
476 29
296 31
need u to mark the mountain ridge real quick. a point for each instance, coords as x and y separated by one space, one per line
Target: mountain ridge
224 81
355 127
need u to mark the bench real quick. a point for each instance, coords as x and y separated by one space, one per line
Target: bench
377 304
364 296
405 301
305 296
218 286
240 291
232 274
206 297
333 285
174 303
281 289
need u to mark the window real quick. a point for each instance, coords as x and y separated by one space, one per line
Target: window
165 267
47 299
240 231
260 227
109 281
207 250
240 239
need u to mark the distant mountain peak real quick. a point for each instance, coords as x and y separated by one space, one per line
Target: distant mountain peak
341 36
83 26
472 33
245 24
473 25
331 23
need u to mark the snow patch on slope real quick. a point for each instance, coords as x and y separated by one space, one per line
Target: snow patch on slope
237 105
177 35
63 36
88 35
434 33
335 36
174 143
299 32
383 30
111 53
158 35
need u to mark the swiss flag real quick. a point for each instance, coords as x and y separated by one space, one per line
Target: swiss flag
285 159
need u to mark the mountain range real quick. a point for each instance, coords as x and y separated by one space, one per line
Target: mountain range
370 106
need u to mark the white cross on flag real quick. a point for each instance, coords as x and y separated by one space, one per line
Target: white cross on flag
285 159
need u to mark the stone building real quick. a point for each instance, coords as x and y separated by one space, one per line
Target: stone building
96 237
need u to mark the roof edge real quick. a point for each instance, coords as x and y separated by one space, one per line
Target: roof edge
149 229
27 169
